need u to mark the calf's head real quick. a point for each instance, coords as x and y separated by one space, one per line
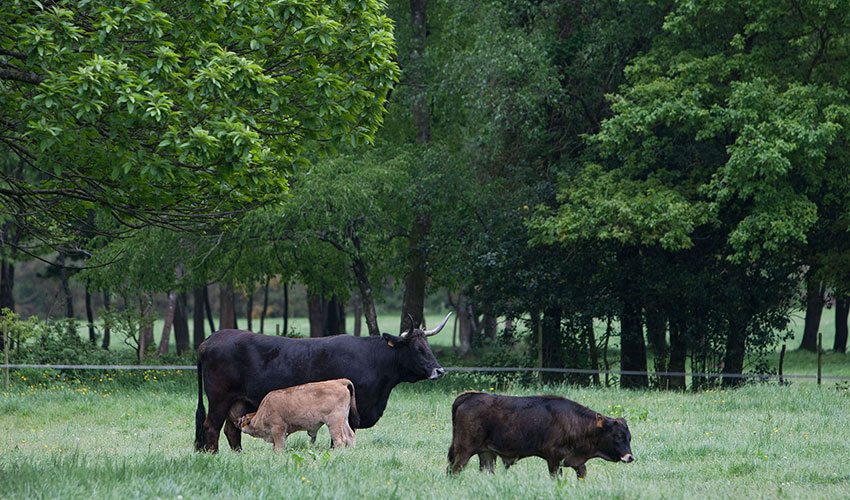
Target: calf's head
614 439
244 422
416 359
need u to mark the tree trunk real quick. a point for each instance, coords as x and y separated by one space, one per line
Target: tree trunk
842 310
358 314
359 269
106 330
317 310
198 332
66 287
491 329
414 284
285 309
227 307
553 350
416 70
678 356
146 325
335 325
465 330
265 306
814 309
656 336
632 346
208 309
7 283
736 349
249 308
90 316
181 324
168 322
590 339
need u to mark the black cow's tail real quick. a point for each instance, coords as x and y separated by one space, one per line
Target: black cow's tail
452 452
201 413
353 416
459 401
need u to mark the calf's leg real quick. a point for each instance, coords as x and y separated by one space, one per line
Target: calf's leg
279 437
348 432
337 433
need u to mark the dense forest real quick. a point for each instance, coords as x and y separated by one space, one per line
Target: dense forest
669 174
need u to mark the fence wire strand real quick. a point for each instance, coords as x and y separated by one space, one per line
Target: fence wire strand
482 369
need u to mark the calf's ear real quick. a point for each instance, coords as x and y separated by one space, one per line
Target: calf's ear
392 340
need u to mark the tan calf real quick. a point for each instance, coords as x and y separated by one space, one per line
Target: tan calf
304 408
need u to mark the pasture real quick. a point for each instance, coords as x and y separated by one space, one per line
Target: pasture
130 436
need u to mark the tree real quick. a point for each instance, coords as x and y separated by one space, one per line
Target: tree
734 118
176 114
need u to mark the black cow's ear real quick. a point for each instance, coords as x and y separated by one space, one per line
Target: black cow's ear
392 340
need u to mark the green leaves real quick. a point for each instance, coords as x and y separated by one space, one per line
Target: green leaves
736 105
234 90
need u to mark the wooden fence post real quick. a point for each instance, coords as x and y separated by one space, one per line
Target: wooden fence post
781 362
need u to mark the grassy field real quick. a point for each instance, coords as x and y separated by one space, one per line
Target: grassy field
133 439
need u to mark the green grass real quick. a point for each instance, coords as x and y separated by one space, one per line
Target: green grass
108 440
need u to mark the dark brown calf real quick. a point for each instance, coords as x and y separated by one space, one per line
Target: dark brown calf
559 430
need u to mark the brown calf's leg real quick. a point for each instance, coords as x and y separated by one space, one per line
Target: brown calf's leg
337 433
348 432
279 437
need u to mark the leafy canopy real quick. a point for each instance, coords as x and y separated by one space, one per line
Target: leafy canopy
172 113
737 115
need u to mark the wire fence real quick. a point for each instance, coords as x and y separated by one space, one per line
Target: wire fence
482 369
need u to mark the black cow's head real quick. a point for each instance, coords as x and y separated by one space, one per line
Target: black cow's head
417 361
614 439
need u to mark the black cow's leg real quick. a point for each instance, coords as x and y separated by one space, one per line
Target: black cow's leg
486 460
581 471
507 462
554 466
459 462
212 428
234 435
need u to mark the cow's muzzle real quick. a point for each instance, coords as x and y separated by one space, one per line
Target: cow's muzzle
436 373
628 457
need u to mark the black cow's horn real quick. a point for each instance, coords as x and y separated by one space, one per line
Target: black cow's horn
435 331
412 327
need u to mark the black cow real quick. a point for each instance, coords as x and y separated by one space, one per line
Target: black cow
239 368
556 429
